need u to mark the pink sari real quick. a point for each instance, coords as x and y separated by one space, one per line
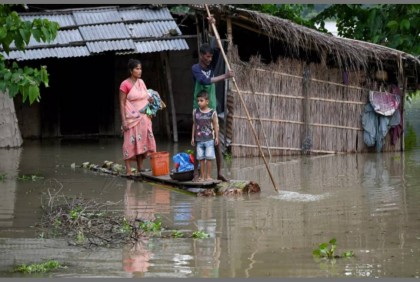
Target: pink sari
139 138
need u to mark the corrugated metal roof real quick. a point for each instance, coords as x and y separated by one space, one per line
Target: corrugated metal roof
145 14
63 37
161 45
152 29
95 36
102 46
109 31
59 52
97 16
64 20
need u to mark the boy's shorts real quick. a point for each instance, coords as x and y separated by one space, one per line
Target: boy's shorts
205 150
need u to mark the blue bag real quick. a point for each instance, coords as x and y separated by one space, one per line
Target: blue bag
183 159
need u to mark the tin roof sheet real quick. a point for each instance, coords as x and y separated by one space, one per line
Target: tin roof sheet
64 20
85 31
102 46
58 52
161 45
96 16
109 31
152 29
145 14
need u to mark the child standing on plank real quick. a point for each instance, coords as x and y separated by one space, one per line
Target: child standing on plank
205 134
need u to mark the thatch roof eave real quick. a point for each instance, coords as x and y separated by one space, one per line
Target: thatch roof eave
346 52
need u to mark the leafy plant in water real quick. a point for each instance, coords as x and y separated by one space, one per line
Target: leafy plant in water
125 226
38 267
177 234
200 234
227 156
32 177
75 212
57 223
2 177
154 226
327 250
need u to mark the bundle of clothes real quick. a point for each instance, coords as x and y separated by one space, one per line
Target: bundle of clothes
382 114
151 108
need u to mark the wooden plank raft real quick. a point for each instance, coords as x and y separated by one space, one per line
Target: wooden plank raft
206 188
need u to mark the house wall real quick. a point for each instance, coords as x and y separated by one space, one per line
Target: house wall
82 97
294 115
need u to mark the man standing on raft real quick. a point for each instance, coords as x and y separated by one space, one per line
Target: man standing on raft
204 79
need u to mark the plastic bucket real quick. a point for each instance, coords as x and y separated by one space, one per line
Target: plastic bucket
160 163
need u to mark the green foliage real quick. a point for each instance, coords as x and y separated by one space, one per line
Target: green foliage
13 78
327 250
154 226
391 25
177 234
125 226
75 212
200 234
227 156
2 177
38 267
31 177
410 138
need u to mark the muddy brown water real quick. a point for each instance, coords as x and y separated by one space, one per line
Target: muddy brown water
369 202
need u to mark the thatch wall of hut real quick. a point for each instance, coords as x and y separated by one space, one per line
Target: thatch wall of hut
297 108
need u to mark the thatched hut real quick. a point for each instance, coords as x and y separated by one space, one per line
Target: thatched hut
305 90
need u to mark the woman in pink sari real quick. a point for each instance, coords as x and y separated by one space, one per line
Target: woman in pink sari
136 125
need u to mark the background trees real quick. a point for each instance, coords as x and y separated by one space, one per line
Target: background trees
17 33
15 79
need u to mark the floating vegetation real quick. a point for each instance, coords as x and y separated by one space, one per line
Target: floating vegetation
200 234
327 250
38 267
90 224
3 177
30 177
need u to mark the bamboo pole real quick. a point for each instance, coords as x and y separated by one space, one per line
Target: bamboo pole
240 97
171 97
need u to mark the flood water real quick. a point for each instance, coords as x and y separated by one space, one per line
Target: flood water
369 202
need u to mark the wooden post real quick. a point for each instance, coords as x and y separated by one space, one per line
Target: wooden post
198 33
402 113
306 138
225 110
229 33
171 96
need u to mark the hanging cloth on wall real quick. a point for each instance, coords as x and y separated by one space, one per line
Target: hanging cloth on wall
384 103
376 126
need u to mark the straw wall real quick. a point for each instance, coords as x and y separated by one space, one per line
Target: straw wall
296 108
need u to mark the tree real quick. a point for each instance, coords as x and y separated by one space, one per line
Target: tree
392 25
15 79
298 13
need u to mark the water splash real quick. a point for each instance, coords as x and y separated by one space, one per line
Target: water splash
298 197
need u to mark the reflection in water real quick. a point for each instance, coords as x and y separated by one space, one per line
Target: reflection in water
368 202
9 164
136 258
381 192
